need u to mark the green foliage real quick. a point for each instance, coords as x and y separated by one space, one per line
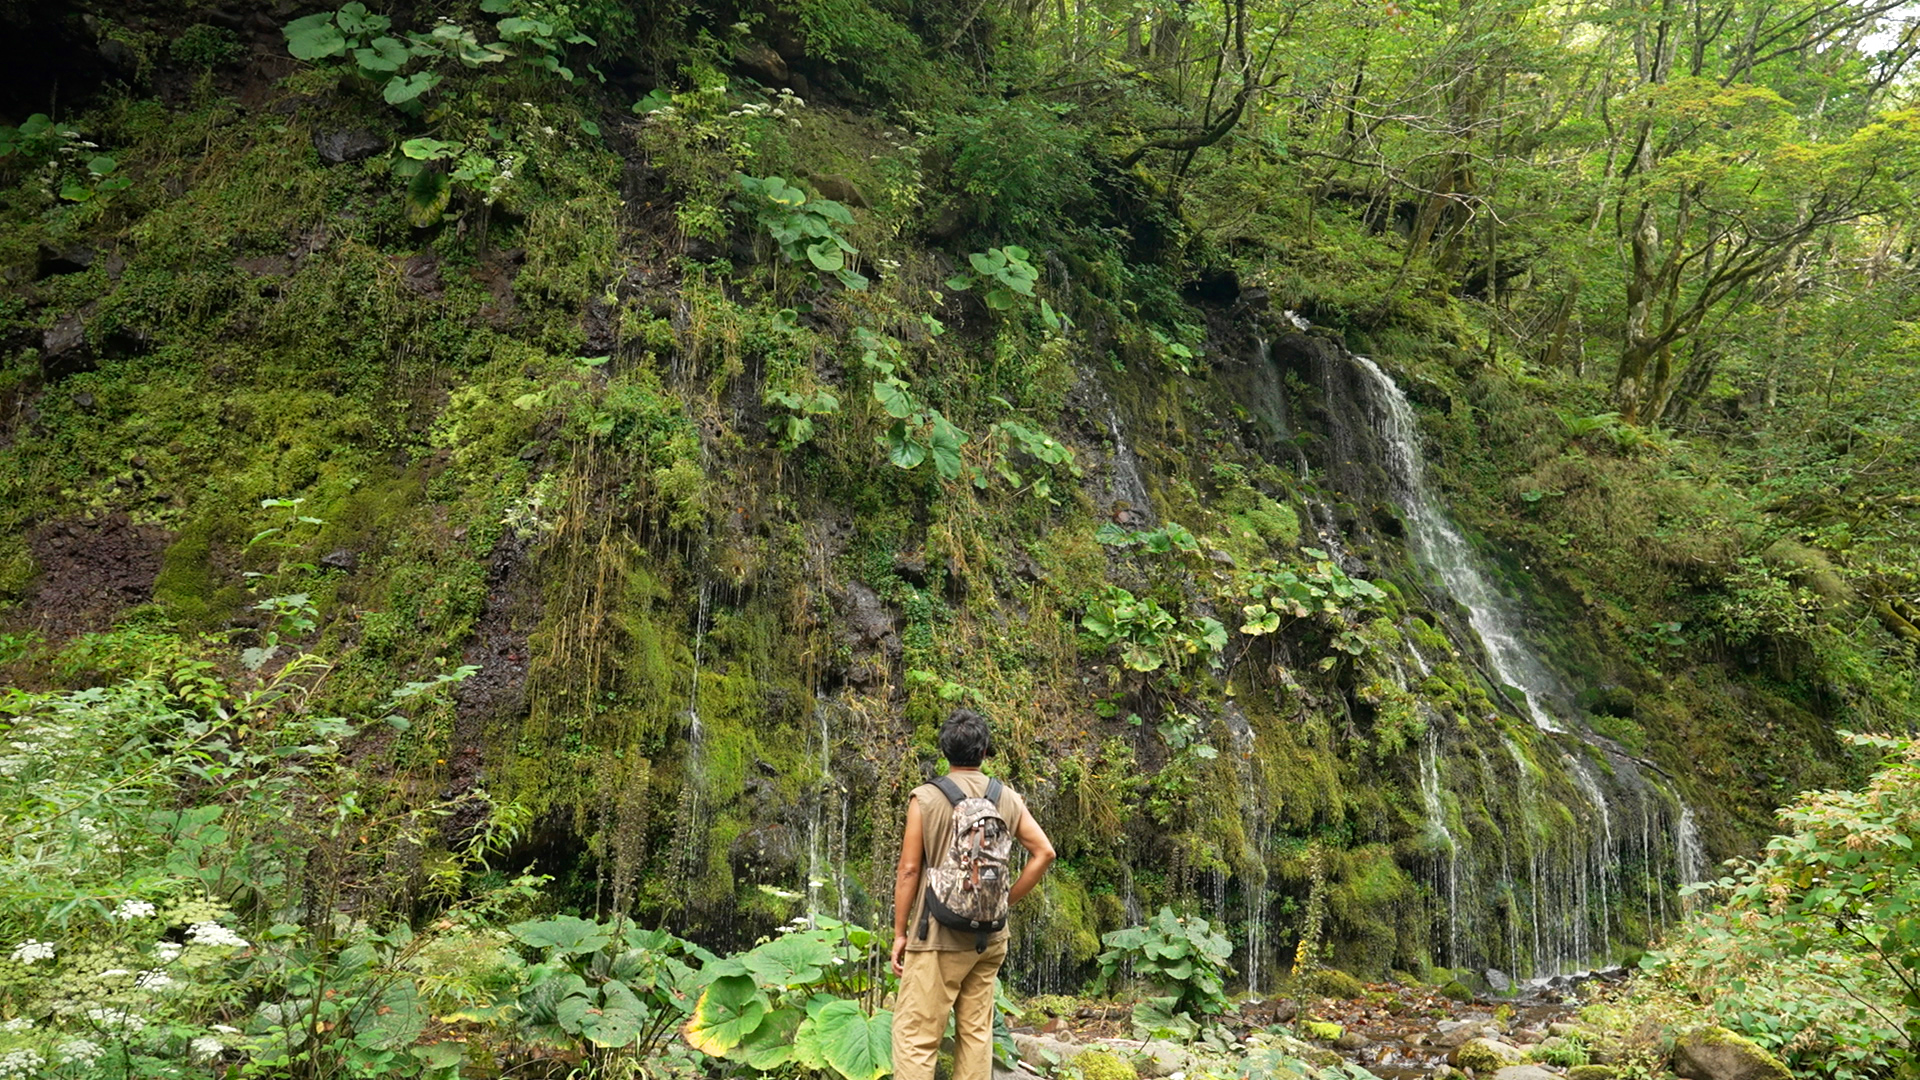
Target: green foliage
1815 952
204 45
802 226
1160 540
1275 597
1565 1051
1016 167
1148 636
1183 954
919 432
1104 1065
1005 274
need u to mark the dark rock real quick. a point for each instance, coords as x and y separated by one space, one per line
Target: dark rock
266 265
83 401
912 567
767 853
421 274
340 559
351 144
1714 1053
838 188
1130 518
71 259
64 348
120 56
1255 299
758 59
1219 286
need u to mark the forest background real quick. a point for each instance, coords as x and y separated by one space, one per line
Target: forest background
438 440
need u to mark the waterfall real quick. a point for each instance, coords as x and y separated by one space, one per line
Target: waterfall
1689 857
1127 485
1438 834
1257 820
690 829
1439 544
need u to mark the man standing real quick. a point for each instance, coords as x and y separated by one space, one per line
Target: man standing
947 946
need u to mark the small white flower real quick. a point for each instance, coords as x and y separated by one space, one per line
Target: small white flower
212 933
168 951
16 1025
130 910
20 1063
114 973
117 1020
80 1052
225 1029
153 980
31 951
205 1048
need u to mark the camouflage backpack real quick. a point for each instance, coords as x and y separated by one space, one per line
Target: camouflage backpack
967 888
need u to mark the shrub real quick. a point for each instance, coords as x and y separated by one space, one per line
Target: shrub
1185 954
1017 167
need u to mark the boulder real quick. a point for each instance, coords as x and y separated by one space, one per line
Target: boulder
1593 1072
1525 1072
1485 1055
1498 981
1714 1053
64 348
1562 1030
349 144
1453 1034
1044 1050
1161 1058
759 60
1352 1040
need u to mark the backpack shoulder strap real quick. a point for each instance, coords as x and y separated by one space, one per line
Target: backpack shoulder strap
994 788
950 789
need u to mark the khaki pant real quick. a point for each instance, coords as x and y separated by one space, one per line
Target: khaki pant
938 983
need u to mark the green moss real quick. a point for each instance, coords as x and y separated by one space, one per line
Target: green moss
1104 1065
1592 1072
1457 991
16 568
1323 1030
1333 983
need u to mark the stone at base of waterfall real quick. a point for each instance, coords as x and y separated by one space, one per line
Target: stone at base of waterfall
1714 1053
1498 981
1564 1030
1526 1072
1592 1072
1352 1040
1161 1058
1485 1056
1018 1073
1451 1034
1044 1051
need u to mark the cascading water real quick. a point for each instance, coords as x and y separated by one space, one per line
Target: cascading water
690 830
1565 900
1257 820
827 815
1127 485
1439 544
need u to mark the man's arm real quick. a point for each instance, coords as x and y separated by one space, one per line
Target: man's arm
906 880
1039 856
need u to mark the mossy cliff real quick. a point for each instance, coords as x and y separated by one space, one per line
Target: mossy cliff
552 433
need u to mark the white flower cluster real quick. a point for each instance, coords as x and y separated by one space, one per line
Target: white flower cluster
20 1064
130 910
80 1052
153 980
212 933
117 1020
16 1025
168 951
31 951
100 839
777 109
205 1048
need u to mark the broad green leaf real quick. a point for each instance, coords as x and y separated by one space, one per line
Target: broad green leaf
905 451
402 89
728 1011
567 935
428 194
945 446
771 1045
826 256
857 1046
382 54
314 37
792 960
896 399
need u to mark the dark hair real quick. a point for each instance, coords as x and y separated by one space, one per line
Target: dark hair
965 740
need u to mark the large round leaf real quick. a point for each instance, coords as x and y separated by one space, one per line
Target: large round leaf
857 1046
793 960
728 1011
314 37
618 1020
568 935
771 1045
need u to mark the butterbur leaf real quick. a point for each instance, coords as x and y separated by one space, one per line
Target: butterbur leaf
826 256
382 54
101 165
855 1045
905 451
428 194
984 264
402 89
314 37
852 279
946 444
832 211
730 1008
568 935
894 398
771 1045
960 282
792 960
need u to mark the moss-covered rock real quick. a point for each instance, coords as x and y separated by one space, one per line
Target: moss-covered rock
1105 1065
1592 1072
1714 1053
1333 983
1323 1030
1486 1055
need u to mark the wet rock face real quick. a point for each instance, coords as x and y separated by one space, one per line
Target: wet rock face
870 630
1714 1053
351 144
